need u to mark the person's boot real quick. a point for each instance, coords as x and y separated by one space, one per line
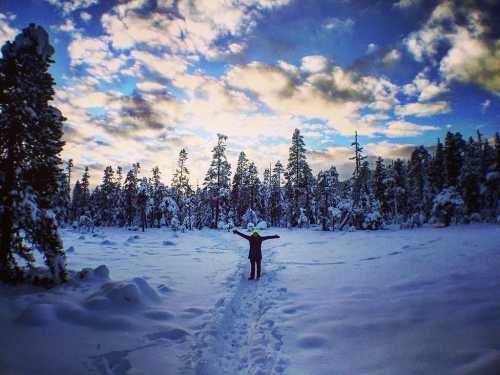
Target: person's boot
250 278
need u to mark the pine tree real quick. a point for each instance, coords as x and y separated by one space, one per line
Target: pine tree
85 185
470 178
238 191
142 202
276 206
437 171
358 158
217 180
107 204
453 158
420 197
157 195
30 166
380 185
180 180
298 178
130 196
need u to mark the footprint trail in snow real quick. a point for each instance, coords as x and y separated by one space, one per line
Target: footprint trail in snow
242 337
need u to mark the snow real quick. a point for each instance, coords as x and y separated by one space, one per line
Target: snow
416 301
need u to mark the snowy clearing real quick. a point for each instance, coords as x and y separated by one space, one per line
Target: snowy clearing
386 302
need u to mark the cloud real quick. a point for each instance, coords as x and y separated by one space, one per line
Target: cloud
403 4
94 55
388 150
401 128
7 32
185 26
391 57
485 105
314 64
150 86
471 55
422 109
166 65
85 16
372 47
472 60
337 24
424 88
69 6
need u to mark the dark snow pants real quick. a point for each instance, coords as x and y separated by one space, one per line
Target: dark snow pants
253 263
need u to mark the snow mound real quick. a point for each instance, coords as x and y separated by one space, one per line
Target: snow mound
107 243
250 226
82 237
123 294
261 225
37 314
98 274
133 238
70 249
168 243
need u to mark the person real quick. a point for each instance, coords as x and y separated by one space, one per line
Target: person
255 252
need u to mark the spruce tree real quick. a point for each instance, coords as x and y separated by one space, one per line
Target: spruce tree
30 166
217 180
437 170
297 177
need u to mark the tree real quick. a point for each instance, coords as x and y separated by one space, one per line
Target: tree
420 197
157 194
276 194
30 144
238 191
437 171
217 180
453 157
298 177
130 196
358 162
180 180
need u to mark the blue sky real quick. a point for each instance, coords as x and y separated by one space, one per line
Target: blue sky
139 80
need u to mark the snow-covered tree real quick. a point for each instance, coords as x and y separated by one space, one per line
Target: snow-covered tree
217 181
30 166
298 178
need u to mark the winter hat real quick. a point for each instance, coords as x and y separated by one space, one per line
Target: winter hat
255 231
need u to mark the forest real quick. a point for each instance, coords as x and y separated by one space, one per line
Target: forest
457 183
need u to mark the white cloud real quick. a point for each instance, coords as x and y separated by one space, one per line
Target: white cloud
94 54
485 105
403 4
399 128
422 109
166 65
85 16
69 6
7 32
195 29
471 57
391 57
472 60
424 88
343 25
150 86
314 64
372 47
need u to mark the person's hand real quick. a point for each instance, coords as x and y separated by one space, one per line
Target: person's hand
234 231
277 236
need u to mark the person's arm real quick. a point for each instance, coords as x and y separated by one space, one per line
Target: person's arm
269 237
241 234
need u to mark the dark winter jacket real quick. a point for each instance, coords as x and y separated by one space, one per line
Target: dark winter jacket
255 252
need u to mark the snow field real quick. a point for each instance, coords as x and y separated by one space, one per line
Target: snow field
385 302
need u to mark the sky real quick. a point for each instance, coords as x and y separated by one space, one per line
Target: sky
140 80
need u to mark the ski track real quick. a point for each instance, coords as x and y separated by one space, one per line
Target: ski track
242 337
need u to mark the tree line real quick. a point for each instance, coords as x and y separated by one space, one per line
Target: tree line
458 182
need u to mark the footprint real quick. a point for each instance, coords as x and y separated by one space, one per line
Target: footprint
371 258
395 253
171 333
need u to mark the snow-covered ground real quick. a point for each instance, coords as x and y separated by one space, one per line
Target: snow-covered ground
423 301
